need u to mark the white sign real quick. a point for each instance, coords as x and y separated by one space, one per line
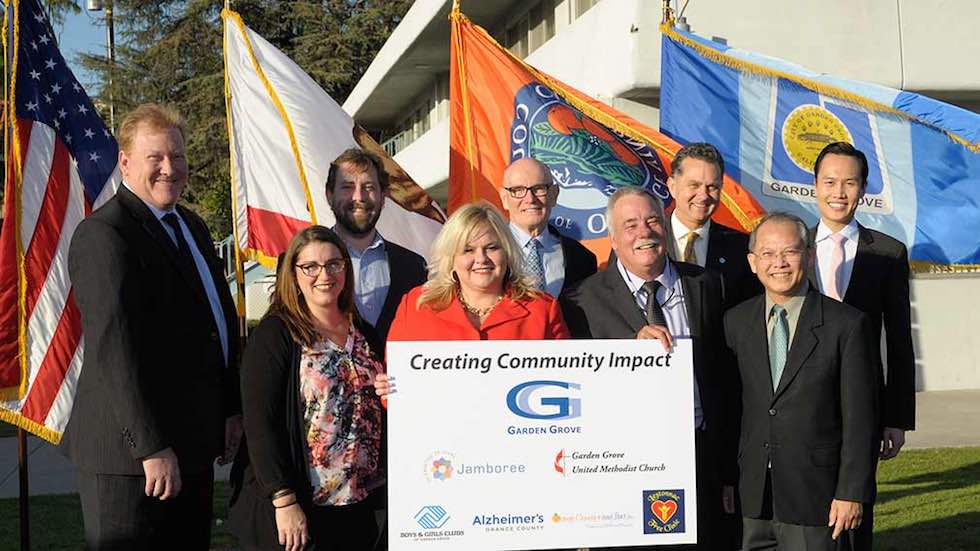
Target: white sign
498 445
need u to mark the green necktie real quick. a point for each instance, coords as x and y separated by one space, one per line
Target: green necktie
778 344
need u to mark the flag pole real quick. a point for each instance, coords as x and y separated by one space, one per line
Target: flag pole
8 113
25 521
239 260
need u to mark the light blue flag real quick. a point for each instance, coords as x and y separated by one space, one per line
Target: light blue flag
770 118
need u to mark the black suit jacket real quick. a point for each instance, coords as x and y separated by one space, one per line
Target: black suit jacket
727 250
602 307
407 271
879 287
818 428
154 375
580 262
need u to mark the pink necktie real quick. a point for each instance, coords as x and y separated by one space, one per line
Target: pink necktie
836 262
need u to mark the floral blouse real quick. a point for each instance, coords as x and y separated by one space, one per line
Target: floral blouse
342 419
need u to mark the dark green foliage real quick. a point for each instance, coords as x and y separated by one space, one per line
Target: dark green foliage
171 52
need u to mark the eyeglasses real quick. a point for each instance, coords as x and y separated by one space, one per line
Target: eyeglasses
333 267
791 255
518 192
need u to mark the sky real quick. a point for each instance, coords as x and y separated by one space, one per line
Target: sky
81 33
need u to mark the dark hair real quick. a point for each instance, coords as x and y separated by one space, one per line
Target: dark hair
360 159
288 304
847 150
786 218
699 150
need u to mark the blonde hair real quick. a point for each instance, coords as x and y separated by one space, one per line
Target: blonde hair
155 116
440 289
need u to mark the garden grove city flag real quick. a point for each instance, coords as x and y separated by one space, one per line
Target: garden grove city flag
771 119
60 166
284 132
502 109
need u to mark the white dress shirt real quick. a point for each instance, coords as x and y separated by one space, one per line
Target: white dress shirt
680 233
671 299
551 256
203 271
825 252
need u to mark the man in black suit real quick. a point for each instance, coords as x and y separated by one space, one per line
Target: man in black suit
695 184
383 271
645 295
157 397
870 271
808 400
554 261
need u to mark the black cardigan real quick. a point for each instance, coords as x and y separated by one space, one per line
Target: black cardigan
273 454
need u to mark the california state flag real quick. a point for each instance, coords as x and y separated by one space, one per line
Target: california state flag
284 132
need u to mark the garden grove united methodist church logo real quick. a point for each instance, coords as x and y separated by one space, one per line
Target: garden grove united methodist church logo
663 511
588 161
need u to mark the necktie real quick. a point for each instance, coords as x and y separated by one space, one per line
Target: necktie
834 290
690 255
778 344
534 265
655 314
183 249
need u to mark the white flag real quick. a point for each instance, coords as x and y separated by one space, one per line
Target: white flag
284 132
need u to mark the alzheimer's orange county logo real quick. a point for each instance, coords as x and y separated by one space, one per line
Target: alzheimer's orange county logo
663 511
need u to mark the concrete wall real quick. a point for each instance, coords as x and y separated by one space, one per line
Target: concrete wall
945 318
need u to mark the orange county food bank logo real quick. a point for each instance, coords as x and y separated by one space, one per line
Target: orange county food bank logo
663 511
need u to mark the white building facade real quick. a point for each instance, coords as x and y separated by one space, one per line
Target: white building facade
907 44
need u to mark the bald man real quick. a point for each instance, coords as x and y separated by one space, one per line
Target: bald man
555 262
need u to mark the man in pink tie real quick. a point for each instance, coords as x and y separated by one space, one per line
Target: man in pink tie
870 271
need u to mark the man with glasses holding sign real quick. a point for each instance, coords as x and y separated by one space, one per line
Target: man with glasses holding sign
554 262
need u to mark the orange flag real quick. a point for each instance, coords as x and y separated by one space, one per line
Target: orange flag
503 109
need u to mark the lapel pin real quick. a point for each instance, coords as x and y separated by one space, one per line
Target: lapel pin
721 260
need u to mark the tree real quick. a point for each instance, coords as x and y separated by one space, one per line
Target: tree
171 52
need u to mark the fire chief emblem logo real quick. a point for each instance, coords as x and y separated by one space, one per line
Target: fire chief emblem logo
663 511
587 160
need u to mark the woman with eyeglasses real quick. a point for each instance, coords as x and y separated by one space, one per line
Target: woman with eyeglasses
311 468
477 288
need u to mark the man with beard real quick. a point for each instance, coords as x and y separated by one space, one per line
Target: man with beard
356 186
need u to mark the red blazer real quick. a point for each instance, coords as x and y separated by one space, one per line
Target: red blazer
537 318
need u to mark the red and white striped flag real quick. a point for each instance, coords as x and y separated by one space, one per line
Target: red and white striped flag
61 164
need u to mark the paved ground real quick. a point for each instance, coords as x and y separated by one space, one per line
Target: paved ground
944 419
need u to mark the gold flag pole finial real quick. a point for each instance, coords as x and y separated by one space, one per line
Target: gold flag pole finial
455 6
668 14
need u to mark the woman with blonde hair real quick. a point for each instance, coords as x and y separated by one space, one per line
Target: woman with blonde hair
477 289
311 471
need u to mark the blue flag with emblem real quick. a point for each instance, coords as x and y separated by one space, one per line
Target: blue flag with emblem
770 118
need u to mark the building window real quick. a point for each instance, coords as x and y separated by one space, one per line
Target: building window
582 6
517 38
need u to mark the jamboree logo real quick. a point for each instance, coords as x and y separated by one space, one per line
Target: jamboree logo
588 161
663 511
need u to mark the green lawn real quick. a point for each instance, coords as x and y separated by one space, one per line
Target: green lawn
927 499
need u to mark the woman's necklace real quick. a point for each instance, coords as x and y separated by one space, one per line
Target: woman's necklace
479 312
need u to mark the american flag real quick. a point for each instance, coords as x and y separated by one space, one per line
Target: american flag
61 164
